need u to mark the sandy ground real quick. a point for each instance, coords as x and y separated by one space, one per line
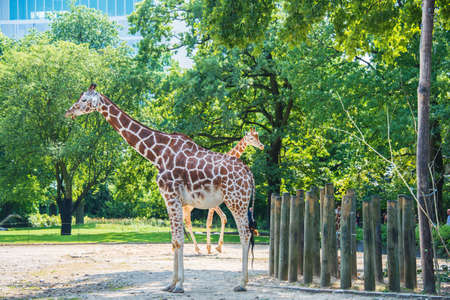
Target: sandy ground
135 271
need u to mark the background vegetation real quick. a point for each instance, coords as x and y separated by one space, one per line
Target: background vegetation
298 95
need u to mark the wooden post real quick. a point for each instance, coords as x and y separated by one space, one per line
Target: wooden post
328 233
392 247
346 241
369 251
322 195
376 219
401 247
351 194
333 261
276 250
309 242
409 243
294 227
283 260
272 235
301 239
316 231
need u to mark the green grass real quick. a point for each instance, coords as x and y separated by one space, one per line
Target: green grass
107 233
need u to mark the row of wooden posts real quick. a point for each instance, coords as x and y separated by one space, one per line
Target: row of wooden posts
304 239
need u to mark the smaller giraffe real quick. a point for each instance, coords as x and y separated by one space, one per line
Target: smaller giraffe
251 138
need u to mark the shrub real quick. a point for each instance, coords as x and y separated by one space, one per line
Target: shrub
44 220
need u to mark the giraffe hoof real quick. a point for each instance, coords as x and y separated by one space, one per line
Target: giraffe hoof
178 290
240 289
219 249
168 288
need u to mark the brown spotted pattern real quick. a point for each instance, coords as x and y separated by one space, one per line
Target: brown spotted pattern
251 138
188 175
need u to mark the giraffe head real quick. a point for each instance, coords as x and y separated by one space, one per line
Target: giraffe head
88 102
252 138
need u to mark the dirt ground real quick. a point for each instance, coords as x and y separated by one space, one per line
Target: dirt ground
137 271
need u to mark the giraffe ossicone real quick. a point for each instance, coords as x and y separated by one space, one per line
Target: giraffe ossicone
250 139
187 175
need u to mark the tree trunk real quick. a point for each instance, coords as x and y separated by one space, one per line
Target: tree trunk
65 204
274 181
423 146
66 216
79 213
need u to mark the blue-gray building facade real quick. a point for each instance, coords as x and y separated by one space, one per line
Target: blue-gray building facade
17 17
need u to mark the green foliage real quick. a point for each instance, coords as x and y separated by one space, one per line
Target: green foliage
237 22
5 43
44 220
444 231
83 25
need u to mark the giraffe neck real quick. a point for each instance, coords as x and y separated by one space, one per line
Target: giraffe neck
150 143
238 149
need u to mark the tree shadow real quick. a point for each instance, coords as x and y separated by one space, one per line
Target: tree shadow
134 284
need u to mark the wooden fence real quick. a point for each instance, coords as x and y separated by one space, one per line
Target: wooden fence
305 233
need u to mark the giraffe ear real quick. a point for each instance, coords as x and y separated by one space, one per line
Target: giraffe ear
92 87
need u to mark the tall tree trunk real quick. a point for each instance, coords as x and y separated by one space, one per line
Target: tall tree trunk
79 213
66 216
423 146
274 180
66 204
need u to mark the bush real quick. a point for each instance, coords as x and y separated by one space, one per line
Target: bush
445 234
43 220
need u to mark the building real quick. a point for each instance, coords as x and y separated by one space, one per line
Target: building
17 17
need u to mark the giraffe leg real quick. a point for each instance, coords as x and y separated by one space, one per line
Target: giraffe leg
187 220
176 224
208 229
244 233
223 220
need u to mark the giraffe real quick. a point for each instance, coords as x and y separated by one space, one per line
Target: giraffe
251 138
187 175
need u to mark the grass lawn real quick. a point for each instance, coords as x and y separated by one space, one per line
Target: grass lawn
108 233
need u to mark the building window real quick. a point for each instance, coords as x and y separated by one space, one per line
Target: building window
130 6
120 8
111 8
58 4
22 10
39 5
48 5
13 9
102 6
93 4
31 8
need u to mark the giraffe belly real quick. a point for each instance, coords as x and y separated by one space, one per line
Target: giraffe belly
202 199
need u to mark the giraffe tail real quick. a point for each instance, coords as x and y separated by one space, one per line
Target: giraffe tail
186 234
252 223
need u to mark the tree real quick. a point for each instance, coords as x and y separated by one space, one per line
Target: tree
360 27
423 147
84 25
37 85
271 86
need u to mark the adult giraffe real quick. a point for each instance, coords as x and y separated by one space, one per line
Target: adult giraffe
188 175
251 138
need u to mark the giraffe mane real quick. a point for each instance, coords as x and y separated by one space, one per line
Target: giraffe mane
145 126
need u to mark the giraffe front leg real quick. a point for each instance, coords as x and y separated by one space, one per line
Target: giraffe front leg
223 220
208 229
175 212
244 234
187 220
